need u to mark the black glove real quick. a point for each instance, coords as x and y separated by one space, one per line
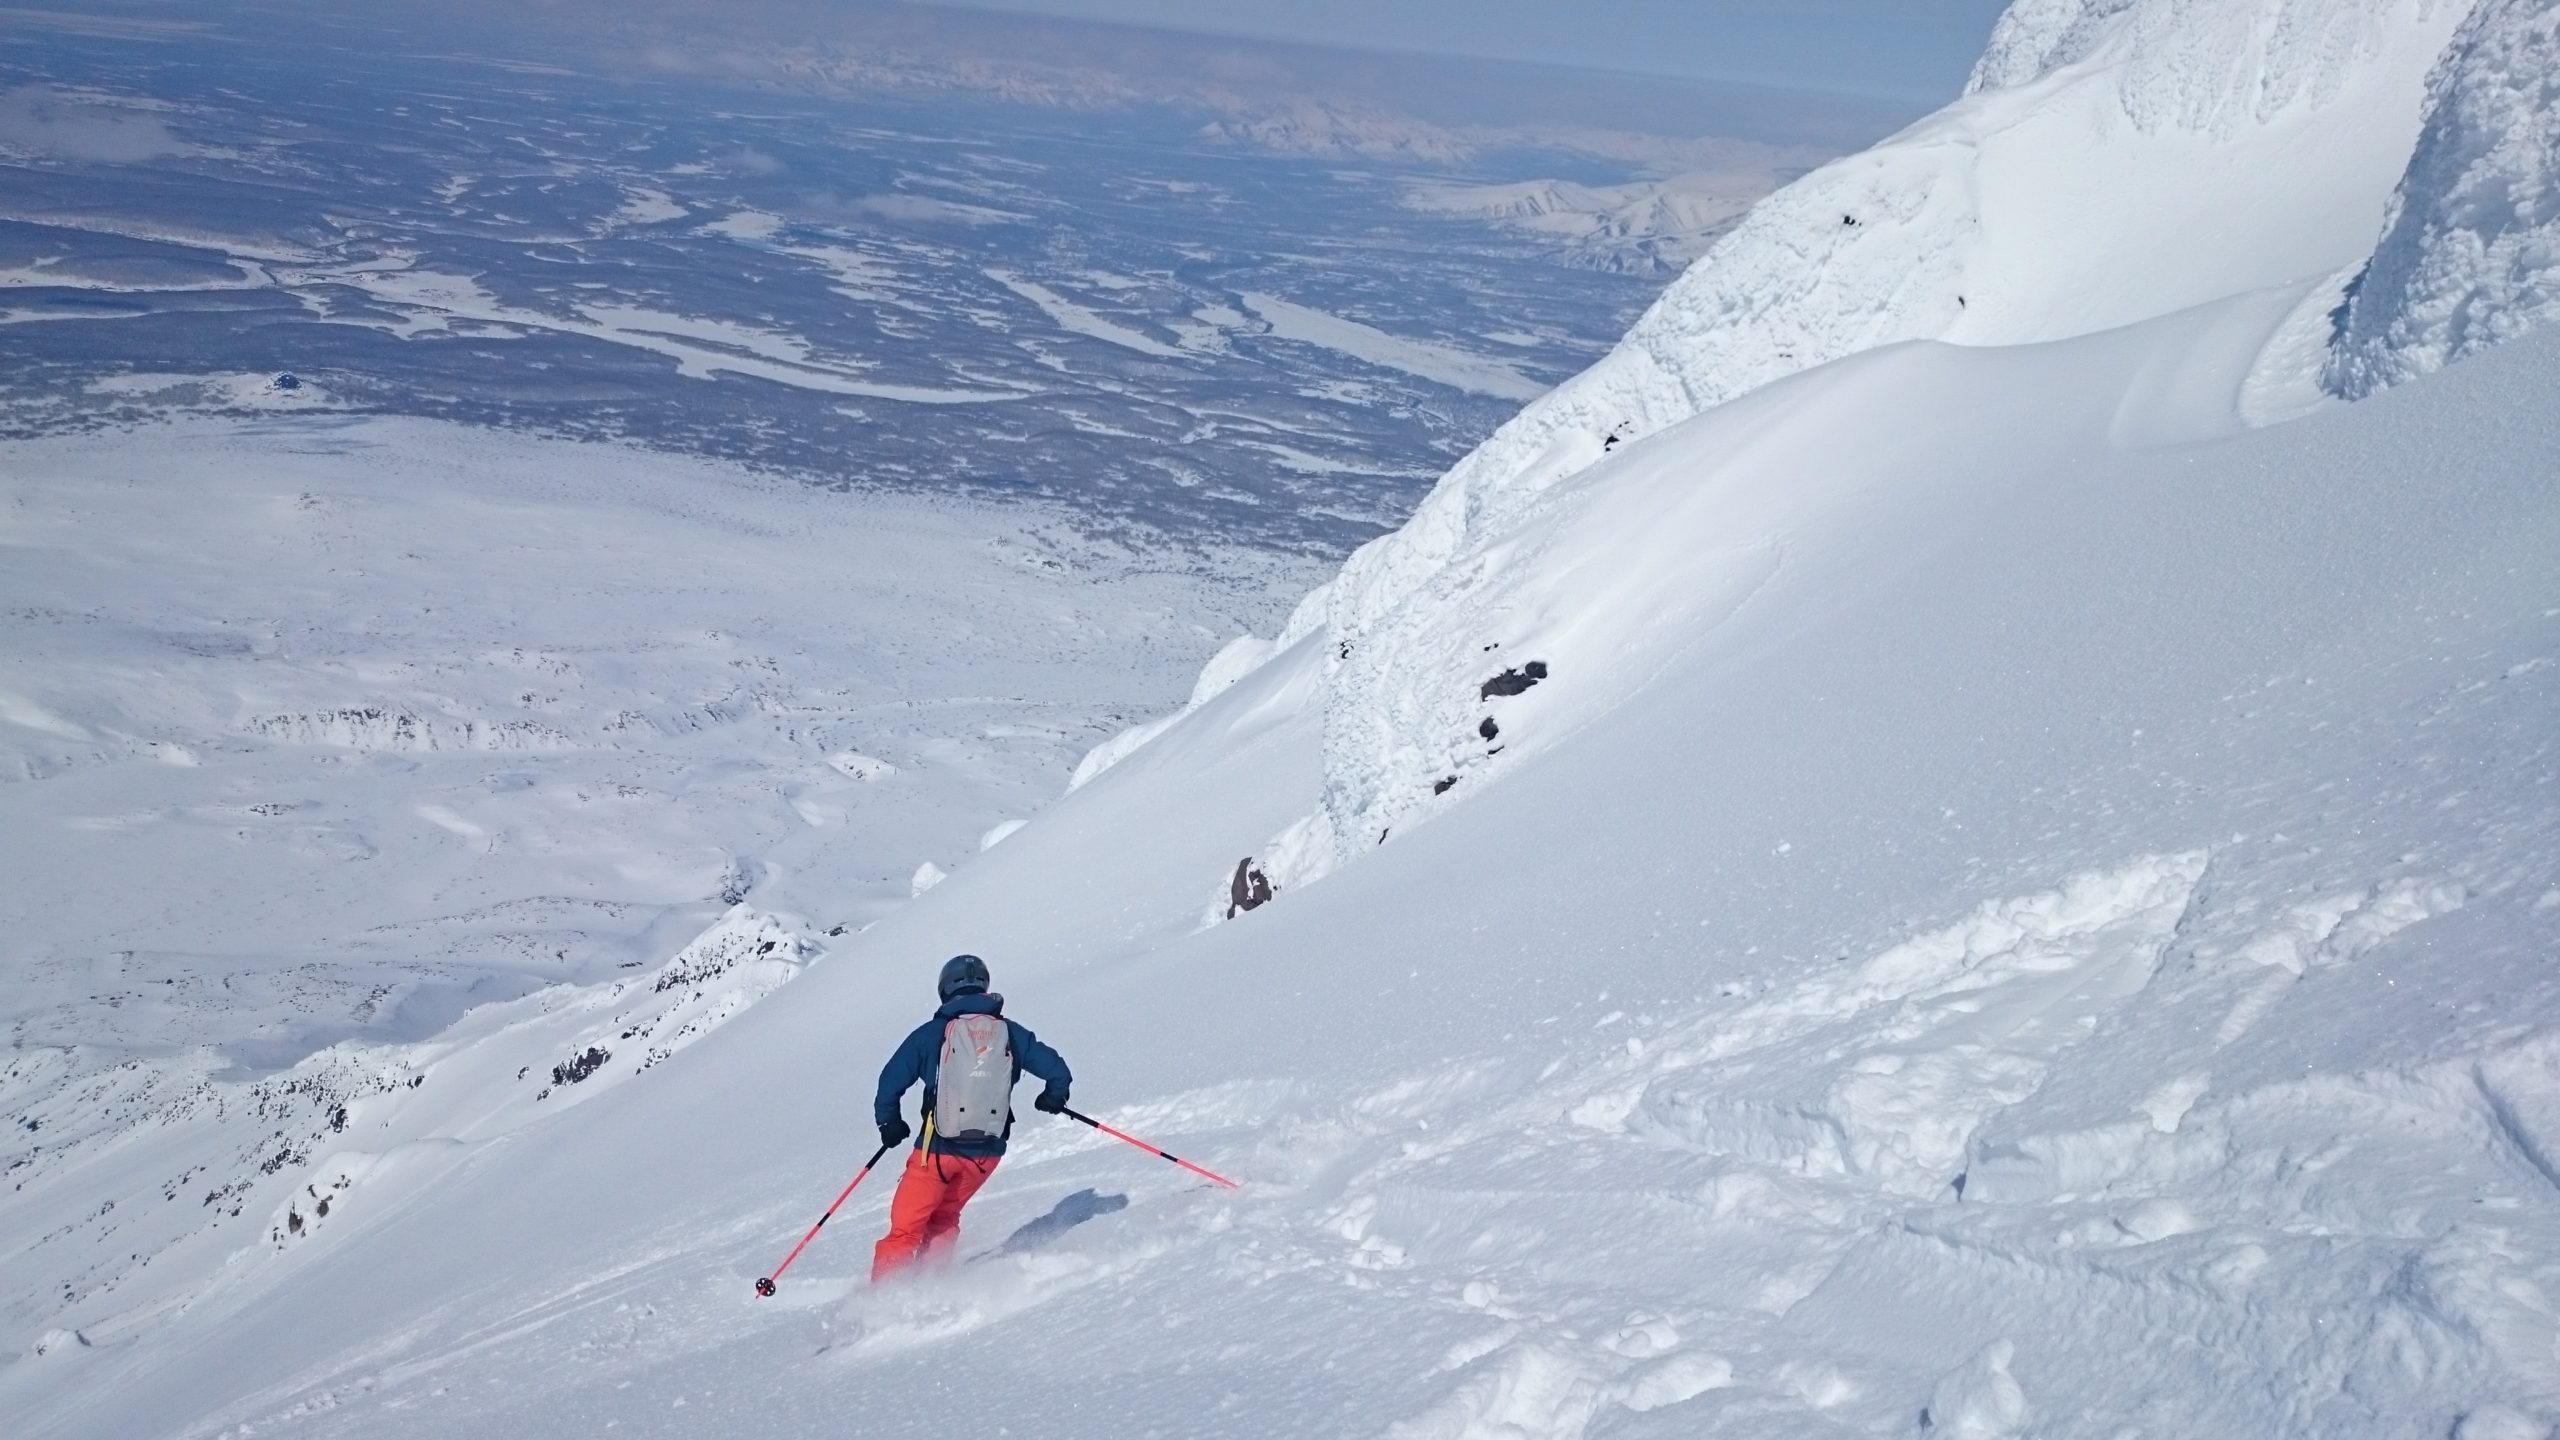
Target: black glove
893 1132
1050 1102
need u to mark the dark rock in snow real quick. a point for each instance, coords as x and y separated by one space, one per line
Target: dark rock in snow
1249 890
1441 785
1513 682
1488 729
579 1067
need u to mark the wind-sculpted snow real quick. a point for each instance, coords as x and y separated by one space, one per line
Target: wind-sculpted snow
2471 256
1926 1042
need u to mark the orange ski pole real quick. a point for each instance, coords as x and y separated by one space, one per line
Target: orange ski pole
1150 1149
764 1287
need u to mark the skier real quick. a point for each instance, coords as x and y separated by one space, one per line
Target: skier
967 1057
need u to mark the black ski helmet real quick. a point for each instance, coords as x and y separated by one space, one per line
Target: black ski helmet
963 974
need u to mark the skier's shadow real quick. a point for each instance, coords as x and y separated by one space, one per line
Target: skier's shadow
1064 1216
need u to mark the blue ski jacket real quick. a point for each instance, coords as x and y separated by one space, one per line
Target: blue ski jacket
920 1055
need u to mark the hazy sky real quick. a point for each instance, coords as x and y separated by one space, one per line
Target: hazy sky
1905 49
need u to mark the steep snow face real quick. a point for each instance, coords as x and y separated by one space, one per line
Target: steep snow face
2471 256
2117 162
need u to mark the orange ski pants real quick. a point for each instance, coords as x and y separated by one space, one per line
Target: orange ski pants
924 1216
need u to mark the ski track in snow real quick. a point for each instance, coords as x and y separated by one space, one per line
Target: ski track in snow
1770 1166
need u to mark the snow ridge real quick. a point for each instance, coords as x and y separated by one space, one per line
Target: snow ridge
2471 256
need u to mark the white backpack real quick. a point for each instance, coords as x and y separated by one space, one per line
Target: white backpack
973 1089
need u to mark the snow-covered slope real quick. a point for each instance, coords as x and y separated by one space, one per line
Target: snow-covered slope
2112 164
2067 955
2018 903
361 778
2472 253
